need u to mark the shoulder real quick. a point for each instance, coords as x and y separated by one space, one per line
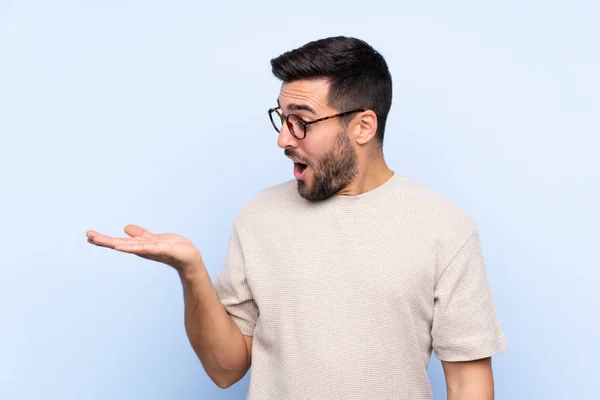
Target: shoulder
282 195
438 212
437 220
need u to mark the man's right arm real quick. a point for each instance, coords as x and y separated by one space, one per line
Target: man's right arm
225 353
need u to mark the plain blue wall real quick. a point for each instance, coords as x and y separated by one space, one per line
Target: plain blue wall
116 112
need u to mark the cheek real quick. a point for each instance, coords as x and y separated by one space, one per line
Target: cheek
308 153
314 150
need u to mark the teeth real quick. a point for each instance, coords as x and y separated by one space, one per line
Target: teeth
301 164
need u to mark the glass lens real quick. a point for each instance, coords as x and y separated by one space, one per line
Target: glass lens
295 126
275 120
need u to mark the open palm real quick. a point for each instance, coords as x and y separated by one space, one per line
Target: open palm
173 250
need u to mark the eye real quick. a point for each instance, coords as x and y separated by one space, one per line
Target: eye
304 121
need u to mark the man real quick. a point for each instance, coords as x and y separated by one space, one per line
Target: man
340 283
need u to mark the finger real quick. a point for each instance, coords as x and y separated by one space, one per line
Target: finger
170 237
112 242
141 249
91 234
100 240
128 241
91 241
137 231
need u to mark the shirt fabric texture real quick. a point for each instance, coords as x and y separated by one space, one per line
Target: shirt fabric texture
346 298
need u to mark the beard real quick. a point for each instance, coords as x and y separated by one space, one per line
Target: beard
332 172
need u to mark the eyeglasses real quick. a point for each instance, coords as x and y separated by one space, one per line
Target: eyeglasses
296 125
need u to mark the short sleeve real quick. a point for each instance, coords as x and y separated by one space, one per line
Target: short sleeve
465 324
233 289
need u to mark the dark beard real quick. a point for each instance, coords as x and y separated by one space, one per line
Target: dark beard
332 172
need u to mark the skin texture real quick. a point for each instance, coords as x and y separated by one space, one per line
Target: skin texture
469 380
342 160
224 352
331 172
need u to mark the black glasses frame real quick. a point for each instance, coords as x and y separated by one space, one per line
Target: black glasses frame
301 121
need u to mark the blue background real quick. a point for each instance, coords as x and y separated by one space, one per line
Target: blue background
154 113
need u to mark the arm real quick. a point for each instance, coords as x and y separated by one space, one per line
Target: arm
469 380
465 325
224 352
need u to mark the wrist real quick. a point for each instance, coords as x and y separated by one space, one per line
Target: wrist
193 272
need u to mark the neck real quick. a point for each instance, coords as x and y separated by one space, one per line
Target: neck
371 174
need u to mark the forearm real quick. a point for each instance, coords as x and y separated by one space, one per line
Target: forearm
471 391
216 339
476 387
469 380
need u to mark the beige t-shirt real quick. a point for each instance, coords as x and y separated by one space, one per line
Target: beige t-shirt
346 298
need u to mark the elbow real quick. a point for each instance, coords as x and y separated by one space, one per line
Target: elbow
225 378
225 382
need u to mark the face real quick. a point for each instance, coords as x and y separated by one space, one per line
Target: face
325 162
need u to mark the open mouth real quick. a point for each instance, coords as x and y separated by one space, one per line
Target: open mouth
299 170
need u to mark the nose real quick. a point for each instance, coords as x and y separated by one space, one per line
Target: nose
286 139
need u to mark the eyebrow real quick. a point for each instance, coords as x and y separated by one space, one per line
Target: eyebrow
299 107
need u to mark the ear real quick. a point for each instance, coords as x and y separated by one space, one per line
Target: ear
367 127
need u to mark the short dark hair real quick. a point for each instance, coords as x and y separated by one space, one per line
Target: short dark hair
358 75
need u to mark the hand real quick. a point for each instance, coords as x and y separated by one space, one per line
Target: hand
173 250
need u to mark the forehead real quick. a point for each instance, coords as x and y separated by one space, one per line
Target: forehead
312 93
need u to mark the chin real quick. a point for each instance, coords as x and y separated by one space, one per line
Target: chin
304 190
308 193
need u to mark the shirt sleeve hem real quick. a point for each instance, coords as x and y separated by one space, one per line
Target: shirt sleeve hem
247 328
457 355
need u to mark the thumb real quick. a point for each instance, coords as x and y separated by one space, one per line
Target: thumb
137 231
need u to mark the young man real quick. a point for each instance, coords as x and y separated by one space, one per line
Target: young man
340 283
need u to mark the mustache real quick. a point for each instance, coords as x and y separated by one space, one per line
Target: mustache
294 154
